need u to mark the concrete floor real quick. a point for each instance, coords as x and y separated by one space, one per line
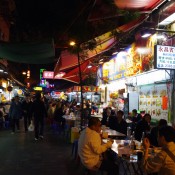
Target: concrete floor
20 154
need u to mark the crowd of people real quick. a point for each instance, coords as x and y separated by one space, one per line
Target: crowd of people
38 109
93 153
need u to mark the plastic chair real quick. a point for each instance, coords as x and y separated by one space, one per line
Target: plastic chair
75 149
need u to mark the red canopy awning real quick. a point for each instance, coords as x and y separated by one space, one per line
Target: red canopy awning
141 5
74 75
104 42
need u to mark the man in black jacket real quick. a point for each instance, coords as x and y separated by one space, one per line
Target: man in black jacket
142 126
39 112
26 107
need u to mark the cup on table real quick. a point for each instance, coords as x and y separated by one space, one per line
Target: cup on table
103 127
104 135
139 155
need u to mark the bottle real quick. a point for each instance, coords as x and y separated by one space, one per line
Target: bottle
143 136
128 133
132 143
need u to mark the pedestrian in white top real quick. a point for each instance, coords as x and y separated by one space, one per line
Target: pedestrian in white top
91 149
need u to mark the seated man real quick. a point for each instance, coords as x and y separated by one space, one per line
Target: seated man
90 149
142 126
120 124
155 130
163 162
108 118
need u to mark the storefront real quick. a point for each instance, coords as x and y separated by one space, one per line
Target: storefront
90 93
132 82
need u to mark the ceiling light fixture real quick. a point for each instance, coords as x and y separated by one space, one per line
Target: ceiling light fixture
161 37
89 66
146 35
72 43
168 20
114 53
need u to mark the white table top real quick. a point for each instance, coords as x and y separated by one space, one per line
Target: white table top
112 132
97 115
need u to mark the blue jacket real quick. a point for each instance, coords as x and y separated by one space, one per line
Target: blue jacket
15 111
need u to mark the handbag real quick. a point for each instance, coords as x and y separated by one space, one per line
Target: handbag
170 154
31 126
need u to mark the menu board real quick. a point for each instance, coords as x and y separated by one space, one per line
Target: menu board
151 100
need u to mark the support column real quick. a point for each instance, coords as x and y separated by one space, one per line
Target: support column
81 91
172 76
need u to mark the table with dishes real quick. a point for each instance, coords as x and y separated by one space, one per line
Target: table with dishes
129 159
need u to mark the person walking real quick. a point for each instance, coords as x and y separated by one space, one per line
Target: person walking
15 113
26 106
39 113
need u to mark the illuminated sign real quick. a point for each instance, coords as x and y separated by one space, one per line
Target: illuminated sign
42 80
60 75
86 88
38 88
164 57
50 75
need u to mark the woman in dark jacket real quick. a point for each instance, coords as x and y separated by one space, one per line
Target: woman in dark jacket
15 113
58 115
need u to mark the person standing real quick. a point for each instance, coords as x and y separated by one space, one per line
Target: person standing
26 106
39 112
15 113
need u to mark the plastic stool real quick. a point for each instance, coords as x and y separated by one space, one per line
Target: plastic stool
75 149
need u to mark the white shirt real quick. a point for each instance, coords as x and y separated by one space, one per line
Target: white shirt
90 148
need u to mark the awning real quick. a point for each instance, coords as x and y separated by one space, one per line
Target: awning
74 75
141 5
104 42
29 52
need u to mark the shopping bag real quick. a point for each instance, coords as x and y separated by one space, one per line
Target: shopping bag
31 126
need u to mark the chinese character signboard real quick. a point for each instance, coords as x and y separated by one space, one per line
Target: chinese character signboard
50 75
164 57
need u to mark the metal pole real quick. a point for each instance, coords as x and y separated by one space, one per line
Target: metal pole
81 90
173 97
